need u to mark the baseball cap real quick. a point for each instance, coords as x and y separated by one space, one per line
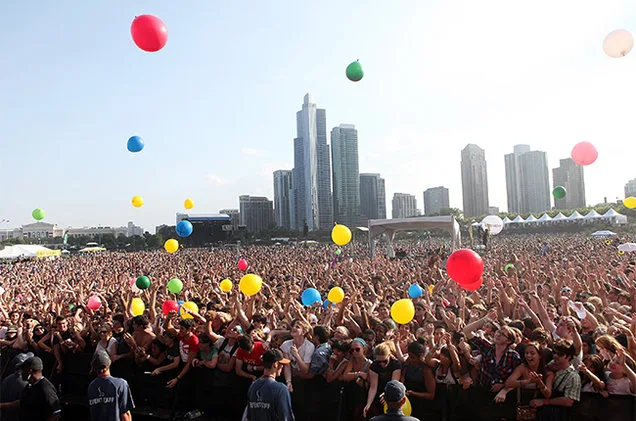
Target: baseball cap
31 363
18 360
274 355
100 361
394 391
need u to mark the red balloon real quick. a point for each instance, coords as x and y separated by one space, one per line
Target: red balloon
474 286
242 264
465 267
149 33
169 306
584 153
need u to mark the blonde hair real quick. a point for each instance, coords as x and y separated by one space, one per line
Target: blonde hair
384 349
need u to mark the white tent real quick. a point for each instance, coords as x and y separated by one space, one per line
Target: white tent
531 218
544 218
518 220
629 247
575 215
592 214
603 233
389 227
559 217
21 250
614 217
506 220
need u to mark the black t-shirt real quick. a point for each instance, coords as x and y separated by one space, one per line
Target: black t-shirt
38 401
65 335
122 345
385 373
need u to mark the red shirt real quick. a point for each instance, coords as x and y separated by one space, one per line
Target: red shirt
188 345
252 361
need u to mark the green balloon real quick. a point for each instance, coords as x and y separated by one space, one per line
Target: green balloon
559 192
143 282
175 286
354 71
508 266
38 214
338 252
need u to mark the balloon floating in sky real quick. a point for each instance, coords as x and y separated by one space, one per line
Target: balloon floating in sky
94 302
341 235
618 43
137 307
630 202
137 201
415 291
190 306
226 285
465 267
509 266
149 33
38 214
184 228
242 264
493 223
171 245
135 144
188 204
310 296
354 71
169 306
336 295
584 153
559 192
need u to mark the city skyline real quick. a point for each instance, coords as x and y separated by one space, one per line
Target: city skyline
216 129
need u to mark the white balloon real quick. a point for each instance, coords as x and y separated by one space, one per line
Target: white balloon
618 43
493 223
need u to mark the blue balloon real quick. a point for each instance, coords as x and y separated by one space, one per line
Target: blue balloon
415 291
180 302
184 228
135 144
310 296
326 304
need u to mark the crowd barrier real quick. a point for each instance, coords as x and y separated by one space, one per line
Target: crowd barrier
224 396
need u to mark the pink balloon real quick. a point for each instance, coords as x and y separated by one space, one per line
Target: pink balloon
584 153
149 33
94 302
169 306
465 267
242 264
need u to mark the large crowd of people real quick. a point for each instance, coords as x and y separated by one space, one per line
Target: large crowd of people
549 335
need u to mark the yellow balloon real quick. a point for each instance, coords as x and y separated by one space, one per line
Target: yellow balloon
621 252
188 204
608 242
336 295
403 311
630 202
226 285
137 201
341 235
250 284
406 408
171 245
137 306
190 306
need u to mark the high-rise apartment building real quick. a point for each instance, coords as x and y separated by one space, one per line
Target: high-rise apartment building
474 181
256 213
630 188
346 175
372 196
435 199
283 199
404 205
569 175
513 178
311 176
527 180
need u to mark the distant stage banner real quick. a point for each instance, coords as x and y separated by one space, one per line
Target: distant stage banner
49 253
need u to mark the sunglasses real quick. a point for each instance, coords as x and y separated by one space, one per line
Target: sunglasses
356 349
382 362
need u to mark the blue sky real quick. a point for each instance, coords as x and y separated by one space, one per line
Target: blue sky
216 107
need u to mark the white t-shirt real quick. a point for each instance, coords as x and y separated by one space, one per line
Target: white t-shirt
306 350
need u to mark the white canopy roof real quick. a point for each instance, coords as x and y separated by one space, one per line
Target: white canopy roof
21 250
559 216
544 217
506 220
518 220
592 214
611 212
603 233
531 218
575 215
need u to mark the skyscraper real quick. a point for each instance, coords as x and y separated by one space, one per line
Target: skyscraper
513 178
404 205
311 176
474 181
630 188
283 199
256 213
535 181
346 175
569 175
372 196
435 199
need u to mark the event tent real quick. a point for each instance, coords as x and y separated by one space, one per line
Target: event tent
21 250
518 220
603 233
544 218
575 215
614 217
531 218
377 227
559 217
592 214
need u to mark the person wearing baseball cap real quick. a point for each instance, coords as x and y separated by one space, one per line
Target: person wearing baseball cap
394 396
38 400
13 385
269 400
109 398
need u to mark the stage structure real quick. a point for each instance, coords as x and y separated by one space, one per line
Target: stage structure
208 229
377 227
